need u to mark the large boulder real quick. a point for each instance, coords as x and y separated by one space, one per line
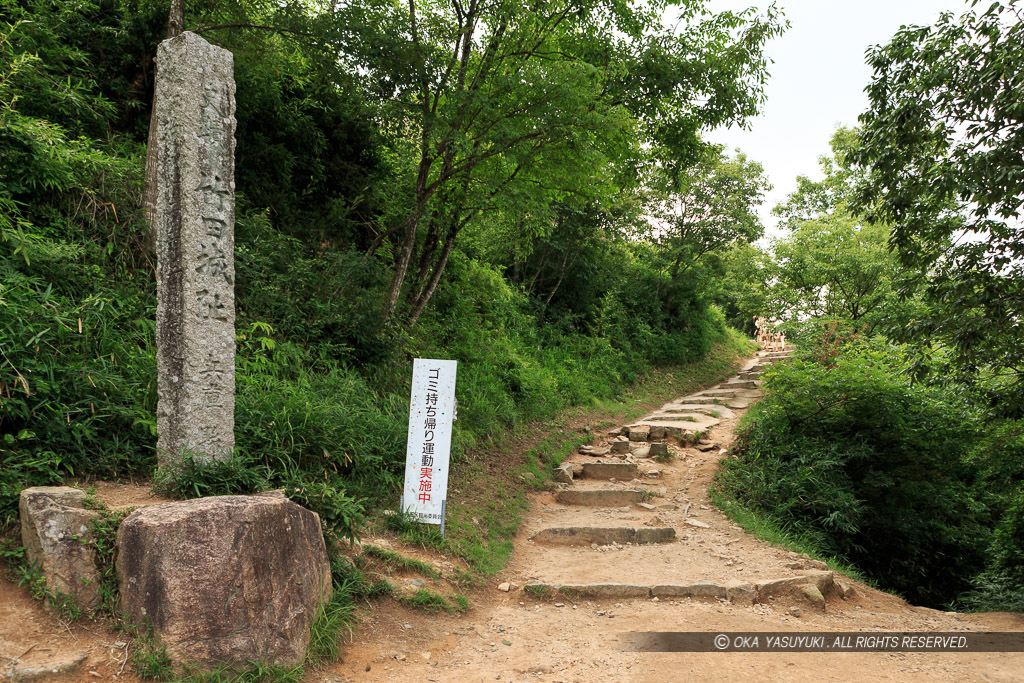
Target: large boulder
55 532
225 580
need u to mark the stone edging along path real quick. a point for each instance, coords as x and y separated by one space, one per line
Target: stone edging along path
609 501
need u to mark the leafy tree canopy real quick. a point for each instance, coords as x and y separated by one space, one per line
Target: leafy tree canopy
501 106
830 265
943 152
712 206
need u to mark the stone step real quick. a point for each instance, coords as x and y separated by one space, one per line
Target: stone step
718 393
739 384
612 498
710 409
736 591
741 403
623 471
813 588
750 375
587 590
694 418
587 535
675 428
703 400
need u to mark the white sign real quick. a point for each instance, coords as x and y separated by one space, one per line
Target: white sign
427 450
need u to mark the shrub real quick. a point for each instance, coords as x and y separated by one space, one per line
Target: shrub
872 467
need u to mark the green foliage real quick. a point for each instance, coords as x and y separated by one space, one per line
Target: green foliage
149 658
31 577
941 148
350 580
538 591
838 269
432 603
744 290
334 617
103 543
706 209
308 148
870 468
150 661
328 300
197 476
782 534
460 603
830 266
341 515
410 530
999 457
299 411
76 373
665 457
1001 585
399 561
571 106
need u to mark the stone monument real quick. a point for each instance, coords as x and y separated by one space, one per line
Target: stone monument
195 218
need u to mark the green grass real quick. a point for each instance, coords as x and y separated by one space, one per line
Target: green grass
772 531
426 536
570 594
465 579
543 459
536 591
432 602
331 621
399 561
104 544
460 603
149 659
487 545
31 577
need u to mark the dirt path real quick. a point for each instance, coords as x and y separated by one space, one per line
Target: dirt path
515 636
37 645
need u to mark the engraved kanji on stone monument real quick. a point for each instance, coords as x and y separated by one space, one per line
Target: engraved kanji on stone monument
195 219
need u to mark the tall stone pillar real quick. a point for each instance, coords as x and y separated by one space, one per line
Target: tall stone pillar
195 221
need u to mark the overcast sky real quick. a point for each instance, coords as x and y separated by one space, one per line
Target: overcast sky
817 81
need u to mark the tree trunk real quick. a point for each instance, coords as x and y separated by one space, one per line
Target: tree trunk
435 278
561 273
402 265
427 255
176 20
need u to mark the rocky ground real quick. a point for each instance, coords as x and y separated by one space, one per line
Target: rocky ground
38 645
